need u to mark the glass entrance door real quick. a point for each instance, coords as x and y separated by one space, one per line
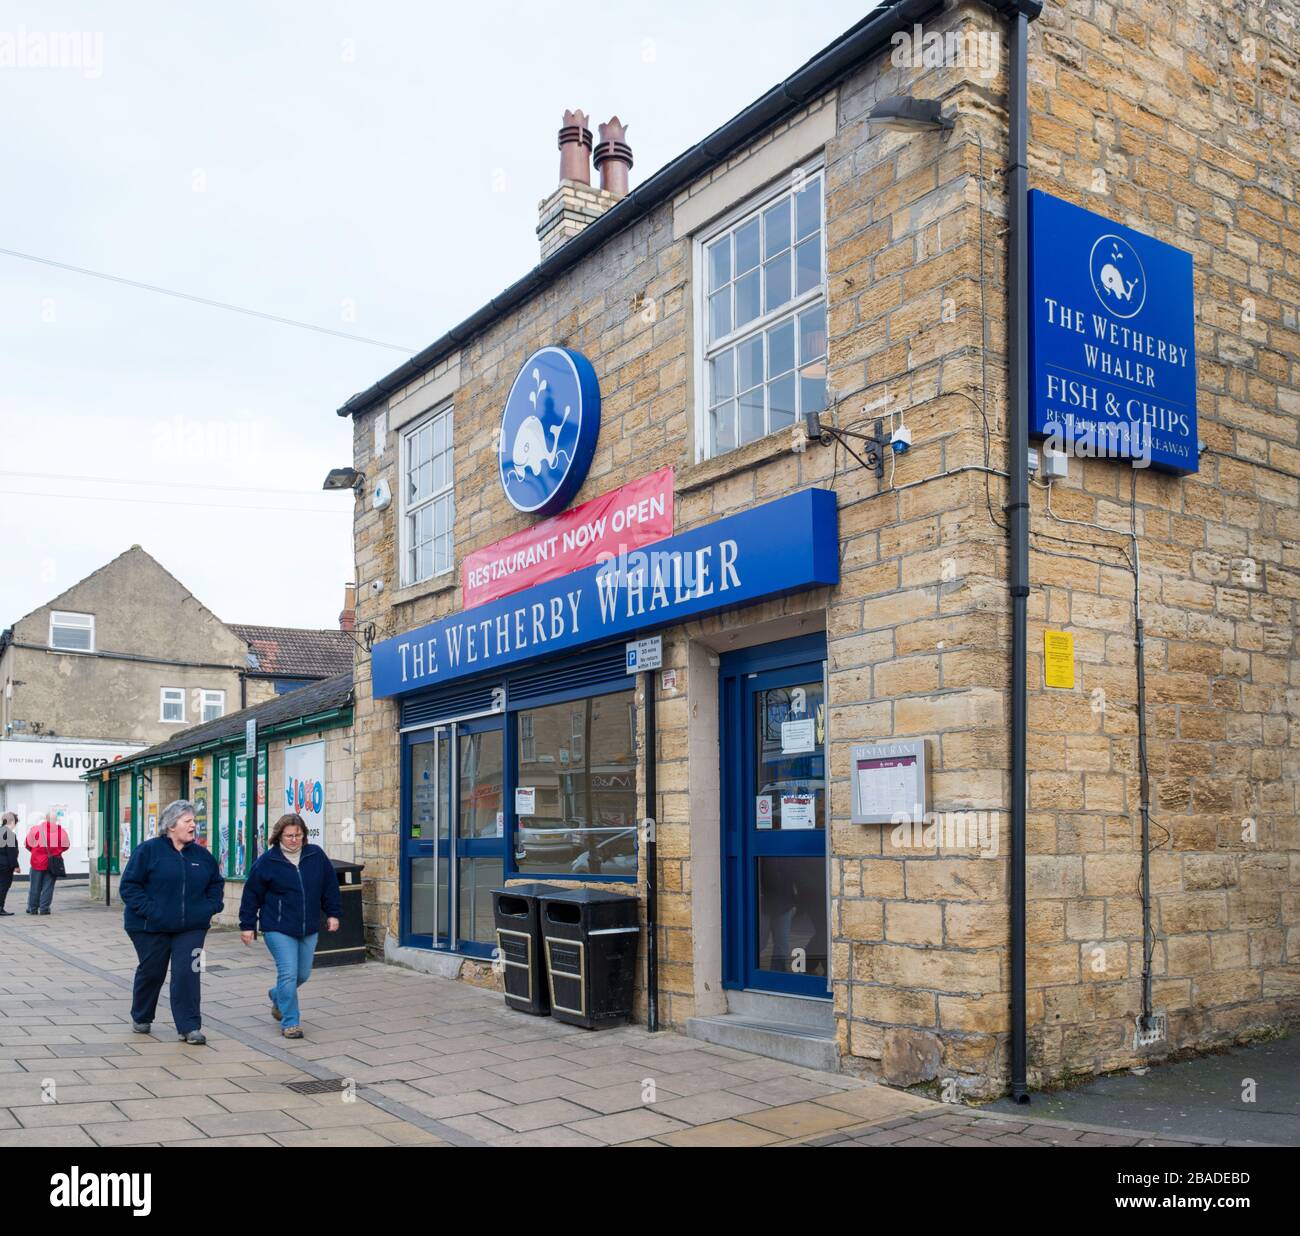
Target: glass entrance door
775 872
453 845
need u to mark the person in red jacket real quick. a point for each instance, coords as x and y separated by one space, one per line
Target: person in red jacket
45 841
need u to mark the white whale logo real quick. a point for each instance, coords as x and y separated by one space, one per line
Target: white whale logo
530 452
1123 295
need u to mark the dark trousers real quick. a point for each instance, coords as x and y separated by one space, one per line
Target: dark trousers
6 879
156 949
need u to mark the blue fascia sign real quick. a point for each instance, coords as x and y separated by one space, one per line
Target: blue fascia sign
1112 339
548 431
780 547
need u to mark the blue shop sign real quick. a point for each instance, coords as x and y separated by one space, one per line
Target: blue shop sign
779 547
1112 339
548 431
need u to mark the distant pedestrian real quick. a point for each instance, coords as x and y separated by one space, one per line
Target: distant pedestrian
171 889
47 842
288 890
8 857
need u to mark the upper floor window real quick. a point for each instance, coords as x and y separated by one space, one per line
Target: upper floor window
764 317
428 505
173 704
72 632
213 704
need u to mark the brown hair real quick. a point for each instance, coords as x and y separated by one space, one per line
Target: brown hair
288 820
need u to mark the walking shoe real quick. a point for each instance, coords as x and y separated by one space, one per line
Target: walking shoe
31 911
197 1037
6 914
292 1032
142 1027
275 1011
44 911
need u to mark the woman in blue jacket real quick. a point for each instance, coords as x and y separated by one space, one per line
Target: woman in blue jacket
171 889
289 888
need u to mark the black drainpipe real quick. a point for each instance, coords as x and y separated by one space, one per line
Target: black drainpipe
651 857
1019 14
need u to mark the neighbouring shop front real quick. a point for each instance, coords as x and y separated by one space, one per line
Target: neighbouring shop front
242 771
523 753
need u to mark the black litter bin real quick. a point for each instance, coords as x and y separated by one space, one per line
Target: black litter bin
347 946
590 939
519 946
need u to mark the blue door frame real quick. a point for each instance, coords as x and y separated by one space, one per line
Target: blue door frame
743 674
449 849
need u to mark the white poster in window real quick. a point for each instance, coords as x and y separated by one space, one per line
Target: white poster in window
798 737
798 811
304 787
501 823
525 800
763 811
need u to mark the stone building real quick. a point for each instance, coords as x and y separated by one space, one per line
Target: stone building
126 658
303 763
807 271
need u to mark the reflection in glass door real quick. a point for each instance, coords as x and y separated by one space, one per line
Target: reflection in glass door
775 883
453 773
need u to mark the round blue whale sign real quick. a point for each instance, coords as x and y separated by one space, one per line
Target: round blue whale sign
548 431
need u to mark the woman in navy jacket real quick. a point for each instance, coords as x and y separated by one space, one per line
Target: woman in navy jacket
171 889
289 888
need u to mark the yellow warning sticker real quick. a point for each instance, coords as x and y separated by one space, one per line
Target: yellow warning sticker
1058 659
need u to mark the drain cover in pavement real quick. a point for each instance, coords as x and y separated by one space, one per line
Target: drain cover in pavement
316 1087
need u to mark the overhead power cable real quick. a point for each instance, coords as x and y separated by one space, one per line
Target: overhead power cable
203 300
215 506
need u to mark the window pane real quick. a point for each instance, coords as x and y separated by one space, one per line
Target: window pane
747 247
722 376
751 416
780 348
581 765
747 298
812 334
720 314
719 263
480 784
478 877
722 428
809 273
776 228
780 396
776 276
812 388
424 561
77 638
749 356
808 209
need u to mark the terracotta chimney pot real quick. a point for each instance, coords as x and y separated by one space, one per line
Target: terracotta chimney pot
575 147
613 157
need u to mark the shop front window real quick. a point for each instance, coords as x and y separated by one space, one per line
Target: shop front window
576 788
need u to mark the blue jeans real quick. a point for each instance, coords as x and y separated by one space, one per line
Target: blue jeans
293 958
40 891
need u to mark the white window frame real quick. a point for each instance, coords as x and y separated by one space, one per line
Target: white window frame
59 618
207 697
405 573
162 705
752 206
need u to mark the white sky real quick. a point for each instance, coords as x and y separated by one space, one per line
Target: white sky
288 157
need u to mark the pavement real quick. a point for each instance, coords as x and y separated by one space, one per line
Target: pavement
1249 1093
392 1057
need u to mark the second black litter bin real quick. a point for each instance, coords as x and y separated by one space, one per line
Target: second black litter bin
590 941
519 946
347 946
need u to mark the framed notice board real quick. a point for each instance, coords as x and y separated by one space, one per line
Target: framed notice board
889 782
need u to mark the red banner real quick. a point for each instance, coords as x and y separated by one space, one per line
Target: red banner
622 520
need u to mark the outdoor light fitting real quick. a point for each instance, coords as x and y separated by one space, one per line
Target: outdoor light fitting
344 478
906 114
876 441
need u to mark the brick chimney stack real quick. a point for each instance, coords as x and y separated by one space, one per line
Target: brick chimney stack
576 203
348 614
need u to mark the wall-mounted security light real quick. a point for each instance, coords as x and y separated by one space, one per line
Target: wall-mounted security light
344 478
905 114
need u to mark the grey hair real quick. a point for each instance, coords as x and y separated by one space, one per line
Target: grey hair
173 812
